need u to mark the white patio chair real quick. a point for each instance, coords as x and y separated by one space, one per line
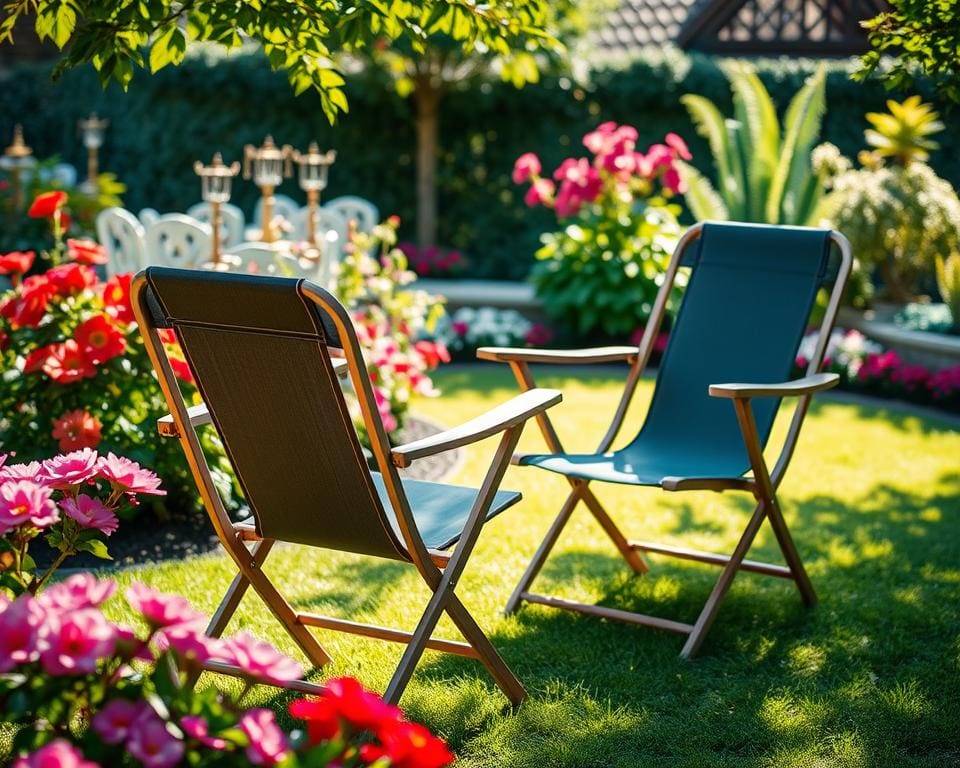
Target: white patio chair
232 223
175 240
356 209
331 229
264 259
148 215
122 235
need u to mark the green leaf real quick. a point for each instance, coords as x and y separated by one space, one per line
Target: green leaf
169 48
710 124
96 548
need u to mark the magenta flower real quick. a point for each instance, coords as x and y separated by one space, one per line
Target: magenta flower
190 643
90 513
72 468
268 745
160 609
151 742
76 642
56 754
540 191
113 722
261 660
679 146
20 623
26 502
128 476
82 590
526 167
197 728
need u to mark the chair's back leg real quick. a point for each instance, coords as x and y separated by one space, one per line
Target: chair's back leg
790 553
631 555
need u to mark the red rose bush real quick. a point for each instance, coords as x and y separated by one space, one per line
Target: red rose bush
81 691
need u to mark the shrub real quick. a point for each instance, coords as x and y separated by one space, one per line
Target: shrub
76 373
762 176
72 500
69 688
433 261
601 271
948 283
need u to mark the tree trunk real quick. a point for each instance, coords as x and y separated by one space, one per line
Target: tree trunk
426 96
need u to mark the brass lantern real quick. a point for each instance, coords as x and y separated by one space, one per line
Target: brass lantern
215 182
313 168
268 165
17 158
92 131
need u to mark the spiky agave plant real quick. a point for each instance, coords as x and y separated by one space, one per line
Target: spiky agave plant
902 134
763 175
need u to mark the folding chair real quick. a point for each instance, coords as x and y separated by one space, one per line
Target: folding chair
260 350
744 312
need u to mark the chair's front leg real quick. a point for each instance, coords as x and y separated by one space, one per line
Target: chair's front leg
631 555
235 592
790 553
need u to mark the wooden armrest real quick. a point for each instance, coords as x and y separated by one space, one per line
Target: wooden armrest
579 356
198 414
515 411
805 386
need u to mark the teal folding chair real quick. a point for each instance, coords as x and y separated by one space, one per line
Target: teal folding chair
744 312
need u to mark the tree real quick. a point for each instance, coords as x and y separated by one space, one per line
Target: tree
299 36
425 73
924 36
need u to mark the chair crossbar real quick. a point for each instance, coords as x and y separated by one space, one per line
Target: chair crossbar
301 686
385 633
608 613
683 553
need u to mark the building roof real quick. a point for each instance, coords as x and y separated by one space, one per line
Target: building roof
809 27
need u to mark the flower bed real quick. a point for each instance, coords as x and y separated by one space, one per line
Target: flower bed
468 329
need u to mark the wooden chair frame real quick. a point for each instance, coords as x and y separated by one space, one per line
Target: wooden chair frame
763 484
439 570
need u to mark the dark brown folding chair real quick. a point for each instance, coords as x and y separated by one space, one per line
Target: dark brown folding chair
265 353
743 314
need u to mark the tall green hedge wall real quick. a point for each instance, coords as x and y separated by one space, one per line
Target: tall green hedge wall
166 121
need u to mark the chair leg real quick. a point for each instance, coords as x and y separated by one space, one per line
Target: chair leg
790 553
712 606
631 555
543 551
235 592
511 686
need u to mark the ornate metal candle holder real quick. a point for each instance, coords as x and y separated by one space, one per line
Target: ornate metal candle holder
215 181
92 131
268 165
17 158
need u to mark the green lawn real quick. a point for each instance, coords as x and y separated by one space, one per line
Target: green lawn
868 678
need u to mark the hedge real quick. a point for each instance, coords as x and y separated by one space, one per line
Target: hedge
216 102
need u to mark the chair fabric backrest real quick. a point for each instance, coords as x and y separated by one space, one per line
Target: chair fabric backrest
258 349
352 208
176 240
742 318
122 236
232 224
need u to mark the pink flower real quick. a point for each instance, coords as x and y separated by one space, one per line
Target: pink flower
76 642
385 409
152 743
26 502
190 643
31 471
82 590
268 745
197 728
580 183
20 624
128 476
678 145
673 182
526 167
261 660
56 754
459 327
90 513
160 609
72 468
541 191
112 723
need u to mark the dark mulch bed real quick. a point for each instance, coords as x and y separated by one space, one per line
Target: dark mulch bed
150 540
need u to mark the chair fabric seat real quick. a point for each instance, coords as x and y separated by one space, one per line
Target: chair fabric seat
642 463
440 510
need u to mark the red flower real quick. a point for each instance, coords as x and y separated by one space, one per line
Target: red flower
408 745
77 429
433 353
67 363
46 204
4 341
71 278
16 262
116 298
36 359
320 716
29 308
100 339
86 251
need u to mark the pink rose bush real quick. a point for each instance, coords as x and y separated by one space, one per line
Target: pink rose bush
70 692
72 499
600 271
394 324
